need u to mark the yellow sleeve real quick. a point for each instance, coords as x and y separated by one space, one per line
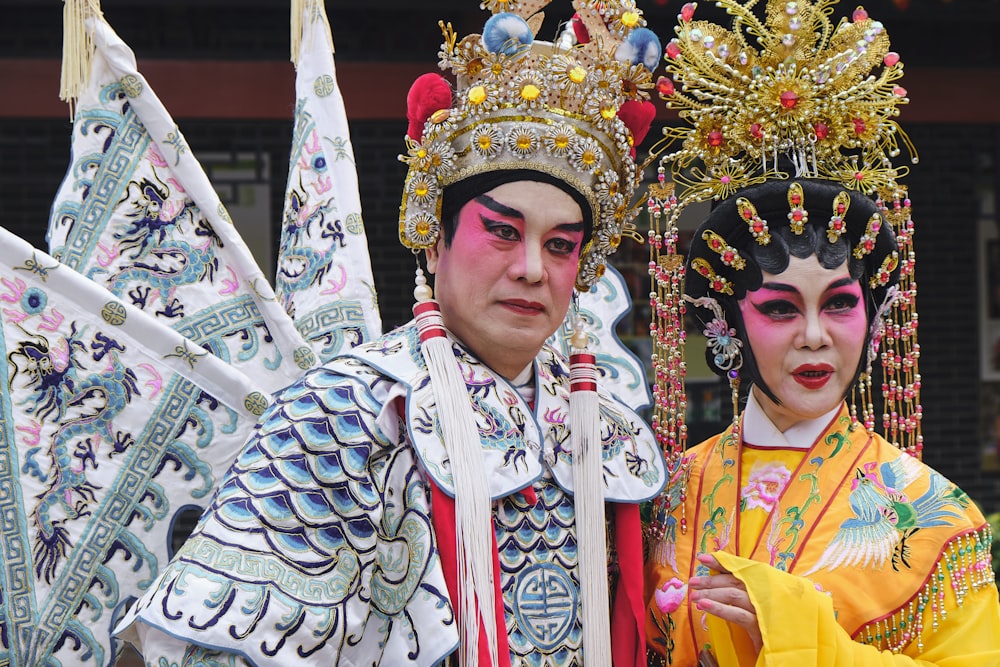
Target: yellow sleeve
798 627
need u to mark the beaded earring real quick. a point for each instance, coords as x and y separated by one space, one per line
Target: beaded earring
726 348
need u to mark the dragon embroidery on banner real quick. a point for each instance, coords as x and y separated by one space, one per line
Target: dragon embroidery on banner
313 257
82 404
156 258
98 436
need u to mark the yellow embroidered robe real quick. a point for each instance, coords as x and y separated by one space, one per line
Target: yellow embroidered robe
851 552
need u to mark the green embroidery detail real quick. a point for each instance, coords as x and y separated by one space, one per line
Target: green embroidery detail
795 522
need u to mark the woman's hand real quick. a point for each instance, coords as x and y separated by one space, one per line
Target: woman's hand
725 596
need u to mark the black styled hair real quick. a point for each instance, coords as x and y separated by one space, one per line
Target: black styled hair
772 204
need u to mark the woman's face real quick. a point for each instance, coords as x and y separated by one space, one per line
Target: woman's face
807 328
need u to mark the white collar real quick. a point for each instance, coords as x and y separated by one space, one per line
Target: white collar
524 383
760 431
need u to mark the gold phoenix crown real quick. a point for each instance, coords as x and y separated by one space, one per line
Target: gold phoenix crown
520 103
823 97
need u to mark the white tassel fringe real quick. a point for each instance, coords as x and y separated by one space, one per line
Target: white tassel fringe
473 514
588 494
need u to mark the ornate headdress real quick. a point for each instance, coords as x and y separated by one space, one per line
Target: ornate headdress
572 111
790 125
568 113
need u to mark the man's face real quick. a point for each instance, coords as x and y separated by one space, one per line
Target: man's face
505 282
806 327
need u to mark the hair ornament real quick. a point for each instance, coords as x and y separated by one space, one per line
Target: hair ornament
902 412
835 228
793 87
884 272
878 326
641 47
797 215
730 256
507 33
867 242
720 338
716 282
758 227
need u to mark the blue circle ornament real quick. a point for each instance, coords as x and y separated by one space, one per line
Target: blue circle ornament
33 300
545 604
114 313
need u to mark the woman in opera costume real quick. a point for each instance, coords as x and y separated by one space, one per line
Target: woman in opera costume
800 535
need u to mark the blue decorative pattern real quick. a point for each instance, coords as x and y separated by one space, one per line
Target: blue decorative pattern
319 542
98 419
538 561
137 214
324 278
319 514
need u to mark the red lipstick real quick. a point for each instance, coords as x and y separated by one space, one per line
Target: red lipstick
813 376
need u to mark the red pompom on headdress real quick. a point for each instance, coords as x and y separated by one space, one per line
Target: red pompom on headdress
579 29
429 93
638 117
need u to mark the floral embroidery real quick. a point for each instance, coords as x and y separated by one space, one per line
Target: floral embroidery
716 529
670 595
767 481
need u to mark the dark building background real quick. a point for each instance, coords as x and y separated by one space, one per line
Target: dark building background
221 67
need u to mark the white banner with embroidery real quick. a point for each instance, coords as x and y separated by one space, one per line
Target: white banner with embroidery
111 424
137 214
324 275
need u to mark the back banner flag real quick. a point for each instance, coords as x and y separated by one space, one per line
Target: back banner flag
111 424
602 307
324 275
137 214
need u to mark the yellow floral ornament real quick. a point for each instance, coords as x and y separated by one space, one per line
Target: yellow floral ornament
422 227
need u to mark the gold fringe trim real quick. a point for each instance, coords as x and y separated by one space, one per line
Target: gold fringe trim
965 566
78 49
300 24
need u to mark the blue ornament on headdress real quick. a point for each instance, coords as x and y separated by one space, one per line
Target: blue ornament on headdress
507 33
641 46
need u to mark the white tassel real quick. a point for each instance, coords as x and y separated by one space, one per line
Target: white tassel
473 513
297 26
588 498
78 49
304 14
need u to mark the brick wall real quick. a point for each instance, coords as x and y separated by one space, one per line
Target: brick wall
943 187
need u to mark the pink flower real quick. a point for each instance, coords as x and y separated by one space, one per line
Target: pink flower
670 595
765 485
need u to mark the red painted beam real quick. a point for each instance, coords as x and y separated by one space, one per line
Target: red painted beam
265 90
